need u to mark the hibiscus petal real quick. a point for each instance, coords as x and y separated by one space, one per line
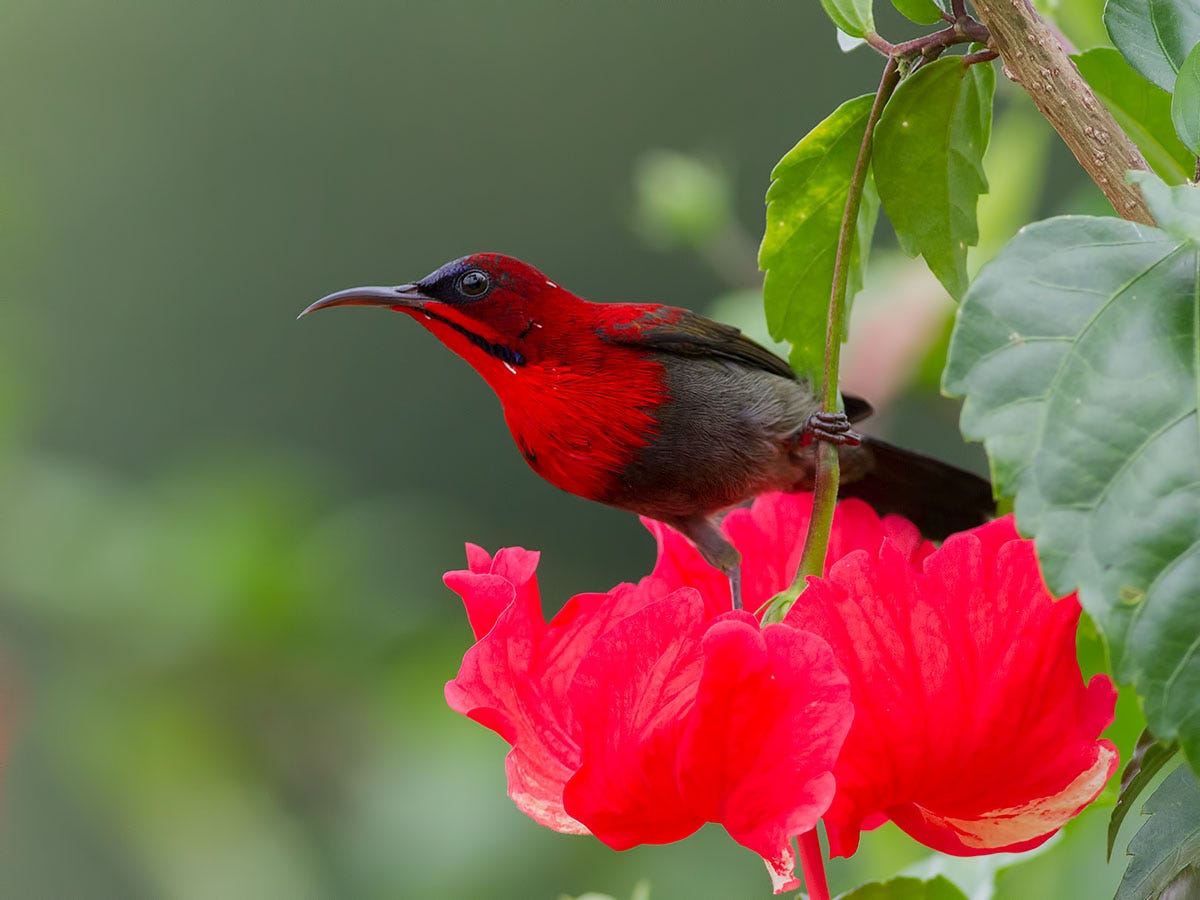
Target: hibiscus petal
498 686
686 720
680 564
772 710
973 730
631 695
770 536
514 680
1014 829
488 585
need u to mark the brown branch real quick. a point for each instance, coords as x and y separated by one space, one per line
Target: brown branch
930 46
1034 59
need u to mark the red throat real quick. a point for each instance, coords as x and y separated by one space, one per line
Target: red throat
579 408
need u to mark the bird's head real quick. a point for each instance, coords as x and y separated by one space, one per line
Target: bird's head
490 309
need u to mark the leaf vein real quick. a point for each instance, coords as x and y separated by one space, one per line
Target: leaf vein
1158 39
1131 458
1052 388
1169 684
1036 339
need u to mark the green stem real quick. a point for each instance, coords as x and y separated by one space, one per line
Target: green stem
812 562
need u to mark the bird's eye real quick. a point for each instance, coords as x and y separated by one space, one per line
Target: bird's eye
474 284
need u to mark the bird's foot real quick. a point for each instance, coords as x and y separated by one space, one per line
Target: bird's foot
834 428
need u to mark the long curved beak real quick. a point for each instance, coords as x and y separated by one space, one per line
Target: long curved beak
401 295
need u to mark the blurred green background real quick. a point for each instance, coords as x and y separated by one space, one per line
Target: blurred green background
223 634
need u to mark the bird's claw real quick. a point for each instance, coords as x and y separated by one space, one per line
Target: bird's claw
834 428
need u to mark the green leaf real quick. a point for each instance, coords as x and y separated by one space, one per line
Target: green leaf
1166 850
1141 109
805 204
851 16
1154 35
1175 209
1076 349
1149 756
928 163
1185 104
923 12
906 889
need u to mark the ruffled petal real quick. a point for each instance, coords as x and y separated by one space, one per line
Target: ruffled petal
772 711
488 585
973 730
515 679
770 536
687 720
499 686
680 564
631 696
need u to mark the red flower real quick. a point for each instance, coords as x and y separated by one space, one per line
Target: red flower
973 730
640 719
642 713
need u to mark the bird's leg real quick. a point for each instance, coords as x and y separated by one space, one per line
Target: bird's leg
717 552
832 427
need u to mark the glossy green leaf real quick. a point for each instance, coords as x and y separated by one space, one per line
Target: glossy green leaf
928 163
1142 109
1154 35
1076 350
1149 756
854 17
1166 850
805 204
924 12
1185 103
906 889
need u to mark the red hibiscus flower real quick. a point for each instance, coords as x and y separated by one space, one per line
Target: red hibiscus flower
633 714
640 718
973 729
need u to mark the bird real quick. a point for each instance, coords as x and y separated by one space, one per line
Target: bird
659 410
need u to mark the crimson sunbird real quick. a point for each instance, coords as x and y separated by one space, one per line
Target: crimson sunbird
659 410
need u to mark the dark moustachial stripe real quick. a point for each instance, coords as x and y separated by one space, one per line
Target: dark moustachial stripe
500 351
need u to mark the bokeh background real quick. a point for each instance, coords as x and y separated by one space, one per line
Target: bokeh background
223 633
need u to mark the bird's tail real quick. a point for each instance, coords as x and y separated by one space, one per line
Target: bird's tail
938 498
